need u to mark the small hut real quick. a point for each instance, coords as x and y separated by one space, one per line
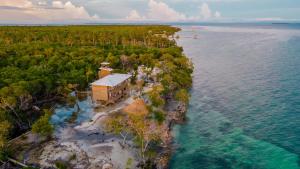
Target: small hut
104 70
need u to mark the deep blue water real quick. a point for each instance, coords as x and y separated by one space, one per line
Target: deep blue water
244 111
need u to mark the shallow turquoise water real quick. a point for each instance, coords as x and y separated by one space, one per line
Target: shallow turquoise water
62 113
245 106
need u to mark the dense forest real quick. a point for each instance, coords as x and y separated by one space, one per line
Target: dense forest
41 64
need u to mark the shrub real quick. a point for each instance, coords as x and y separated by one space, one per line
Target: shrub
182 95
42 126
159 116
61 165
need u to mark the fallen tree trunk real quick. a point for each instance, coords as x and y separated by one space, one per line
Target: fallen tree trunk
17 162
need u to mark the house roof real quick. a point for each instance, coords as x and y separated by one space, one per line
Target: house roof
105 63
112 80
106 68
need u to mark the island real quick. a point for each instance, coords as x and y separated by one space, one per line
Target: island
126 85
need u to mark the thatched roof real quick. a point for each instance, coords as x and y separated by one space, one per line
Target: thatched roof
137 107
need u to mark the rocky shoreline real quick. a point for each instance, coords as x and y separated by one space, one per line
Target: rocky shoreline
175 116
79 146
82 146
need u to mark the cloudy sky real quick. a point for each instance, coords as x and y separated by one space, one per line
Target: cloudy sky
83 11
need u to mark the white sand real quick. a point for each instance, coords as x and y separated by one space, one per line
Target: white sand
85 144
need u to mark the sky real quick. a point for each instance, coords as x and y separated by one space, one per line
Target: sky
94 11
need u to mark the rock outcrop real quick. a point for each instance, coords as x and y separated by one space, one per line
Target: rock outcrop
176 116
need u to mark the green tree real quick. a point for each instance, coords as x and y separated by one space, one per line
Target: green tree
159 116
155 97
117 124
182 95
167 81
124 61
132 61
147 60
43 126
147 131
38 63
89 74
113 60
5 127
4 131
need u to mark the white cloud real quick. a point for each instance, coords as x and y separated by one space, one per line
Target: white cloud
58 4
217 14
134 15
42 3
62 11
67 11
205 11
161 11
207 14
268 19
16 3
57 11
157 11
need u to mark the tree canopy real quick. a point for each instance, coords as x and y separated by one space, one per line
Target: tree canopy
39 63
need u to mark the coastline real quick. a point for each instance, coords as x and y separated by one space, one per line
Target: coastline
175 117
87 143
63 146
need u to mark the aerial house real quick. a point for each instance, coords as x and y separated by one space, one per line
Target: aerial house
104 70
110 87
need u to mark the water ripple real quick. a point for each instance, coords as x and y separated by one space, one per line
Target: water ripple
245 105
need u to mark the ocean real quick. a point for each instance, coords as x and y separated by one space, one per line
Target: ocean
244 111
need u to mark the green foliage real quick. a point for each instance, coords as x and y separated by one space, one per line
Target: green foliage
42 126
155 98
73 157
145 130
71 100
167 82
29 168
176 72
113 60
61 165
159 116
182 95
4 154
4 130
41 62
5 126
129 163
115 123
